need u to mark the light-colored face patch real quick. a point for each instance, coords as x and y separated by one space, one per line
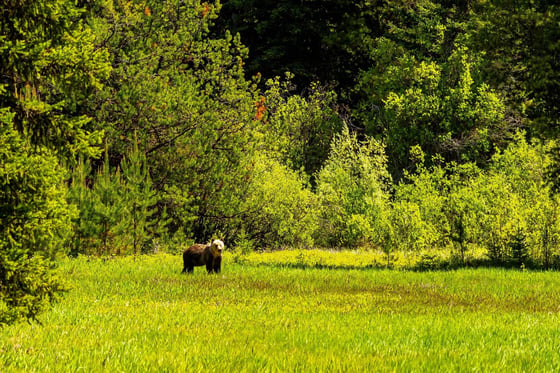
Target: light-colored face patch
217 247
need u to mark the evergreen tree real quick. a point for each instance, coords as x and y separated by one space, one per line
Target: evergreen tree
141 201
110 209
80 195
184 93
49 66
117 207
519 250
34 222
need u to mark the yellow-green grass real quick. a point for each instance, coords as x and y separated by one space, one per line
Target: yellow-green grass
140 314
362 259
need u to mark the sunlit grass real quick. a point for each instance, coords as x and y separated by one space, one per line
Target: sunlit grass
363 259
140 314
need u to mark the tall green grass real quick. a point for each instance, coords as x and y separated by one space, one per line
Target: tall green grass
139 314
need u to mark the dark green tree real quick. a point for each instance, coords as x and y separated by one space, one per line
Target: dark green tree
34 222
85 228
109 209
313 39
117 207
101 201
426 88
519 249
143 226
520 41
183 92
50 65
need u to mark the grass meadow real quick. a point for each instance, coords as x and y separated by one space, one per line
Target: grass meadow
139 314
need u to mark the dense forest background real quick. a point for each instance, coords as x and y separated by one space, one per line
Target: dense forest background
139 126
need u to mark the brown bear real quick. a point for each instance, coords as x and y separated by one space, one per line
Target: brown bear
203 254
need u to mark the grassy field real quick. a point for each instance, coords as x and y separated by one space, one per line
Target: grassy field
139 314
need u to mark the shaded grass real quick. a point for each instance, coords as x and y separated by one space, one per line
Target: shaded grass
368 259
140 314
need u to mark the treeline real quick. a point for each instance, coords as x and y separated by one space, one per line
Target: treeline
138 126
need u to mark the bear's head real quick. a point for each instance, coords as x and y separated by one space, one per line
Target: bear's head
217 247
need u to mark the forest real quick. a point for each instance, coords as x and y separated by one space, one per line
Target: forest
397 126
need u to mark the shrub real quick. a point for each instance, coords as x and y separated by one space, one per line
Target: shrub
278 209
353 190
491 208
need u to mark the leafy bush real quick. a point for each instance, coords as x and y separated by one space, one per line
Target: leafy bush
507 208
353 191
278 209
300 129
410 231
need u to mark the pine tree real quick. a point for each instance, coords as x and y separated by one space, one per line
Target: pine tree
49 67
110 209
141 199
183 90
81 196
117 207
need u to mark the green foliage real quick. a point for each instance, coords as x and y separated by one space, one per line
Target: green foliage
520 41
409 232
80 195
34 223
548 234
458 78
523 165
183 92
194 149
353 191
278 209
116 208
441 106
493 208
422 260
518 246
498 214
315 40
425 190
299 130
143 227
50 66
102 208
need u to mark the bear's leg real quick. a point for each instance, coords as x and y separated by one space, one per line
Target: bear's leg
187 268
217 264
185 264
209 267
